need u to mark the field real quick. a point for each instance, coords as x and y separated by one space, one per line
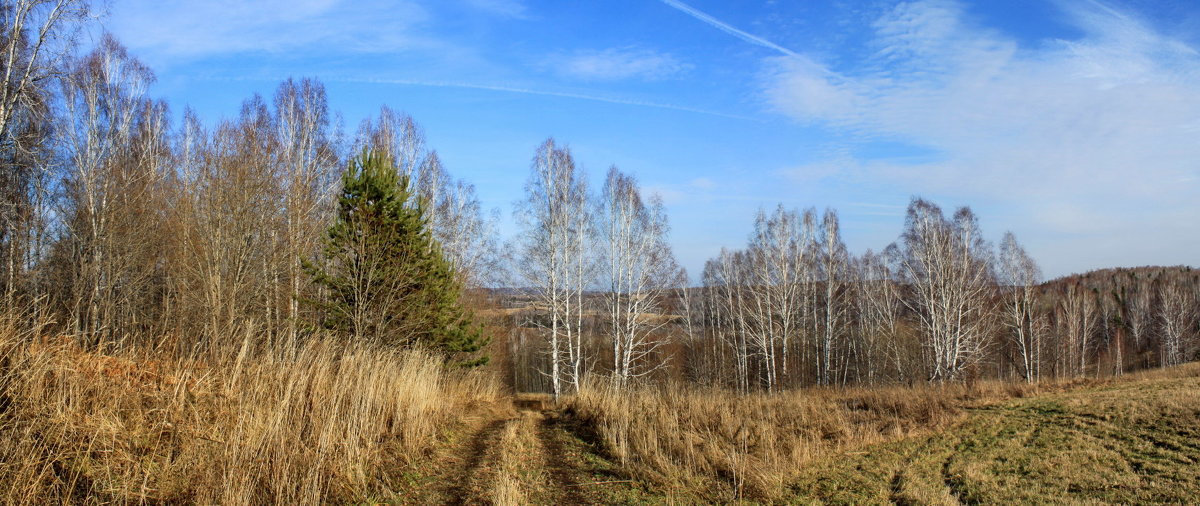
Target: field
1129 442
360 425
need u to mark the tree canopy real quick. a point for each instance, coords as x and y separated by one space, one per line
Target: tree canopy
384 275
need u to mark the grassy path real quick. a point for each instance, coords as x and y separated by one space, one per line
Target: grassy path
532 457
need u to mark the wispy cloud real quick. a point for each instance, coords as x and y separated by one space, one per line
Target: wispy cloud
617 64
539 92
727 28
192 29
506 8
1088 135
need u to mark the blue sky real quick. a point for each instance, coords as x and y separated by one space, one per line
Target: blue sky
1073 123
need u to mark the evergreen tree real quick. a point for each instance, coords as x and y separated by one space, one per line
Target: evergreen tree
383 274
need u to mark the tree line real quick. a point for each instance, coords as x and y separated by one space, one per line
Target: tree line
604 295
121 229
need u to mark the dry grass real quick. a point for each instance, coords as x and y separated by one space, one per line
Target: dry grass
1125 441
331 423
717 445
518 444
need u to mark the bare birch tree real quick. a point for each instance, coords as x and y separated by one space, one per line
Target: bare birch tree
114 140
879 313
1141 315
554 259
780 257
640 270
308 162
1078 326
723 282
36 41
396 135
228 217
946 265
1019 277
467 235
1178 316
834 264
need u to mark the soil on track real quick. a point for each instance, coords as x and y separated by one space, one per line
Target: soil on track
533 457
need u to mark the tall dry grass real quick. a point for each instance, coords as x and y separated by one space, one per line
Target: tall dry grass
330 423
727 446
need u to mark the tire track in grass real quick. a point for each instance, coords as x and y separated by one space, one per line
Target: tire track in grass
471 486
565 481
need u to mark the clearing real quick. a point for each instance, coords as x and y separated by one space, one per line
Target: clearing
1130 440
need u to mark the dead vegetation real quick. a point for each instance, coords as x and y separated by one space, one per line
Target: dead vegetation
329 422
716 445
1126 441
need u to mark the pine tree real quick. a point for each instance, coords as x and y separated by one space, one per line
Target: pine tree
384 277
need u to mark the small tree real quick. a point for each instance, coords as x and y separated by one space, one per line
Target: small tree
383 275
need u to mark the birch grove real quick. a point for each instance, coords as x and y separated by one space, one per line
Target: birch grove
946 265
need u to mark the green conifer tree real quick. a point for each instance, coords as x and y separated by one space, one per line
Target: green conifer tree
383 275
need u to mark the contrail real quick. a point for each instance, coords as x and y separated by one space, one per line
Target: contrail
718 24
527 91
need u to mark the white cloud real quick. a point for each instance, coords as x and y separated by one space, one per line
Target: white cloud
1098 130
618 64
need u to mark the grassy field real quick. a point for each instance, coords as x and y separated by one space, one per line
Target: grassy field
330 424
1127 442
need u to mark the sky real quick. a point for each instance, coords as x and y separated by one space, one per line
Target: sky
1075 124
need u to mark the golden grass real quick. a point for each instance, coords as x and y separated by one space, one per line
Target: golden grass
331 423
513 483
1121 441
725 446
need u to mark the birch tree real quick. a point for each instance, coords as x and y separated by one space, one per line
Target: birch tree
946 265
640 271
555 264
114 140
308 162
466 233
879 313
779 257
834 265
228 218
1019 276
397 135
1177 314
723 282
36 41
1141 317
1078 310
